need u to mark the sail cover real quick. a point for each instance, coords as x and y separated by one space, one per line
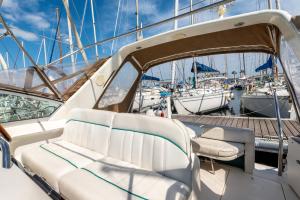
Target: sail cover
149 78
201 68
267 65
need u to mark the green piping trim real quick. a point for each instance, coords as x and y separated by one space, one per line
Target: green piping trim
77 120
107 181
58 156
153 134
114 184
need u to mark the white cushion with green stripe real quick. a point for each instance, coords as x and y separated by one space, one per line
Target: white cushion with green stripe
89 128
153 143
114 179
103 155
52 160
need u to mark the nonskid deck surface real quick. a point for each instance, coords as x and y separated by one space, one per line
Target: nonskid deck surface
263 127
231 183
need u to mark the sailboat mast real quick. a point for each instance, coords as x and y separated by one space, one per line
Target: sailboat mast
58 35
23 55
70 36
137 19
176 7
226 66
94 28
277 3
244 65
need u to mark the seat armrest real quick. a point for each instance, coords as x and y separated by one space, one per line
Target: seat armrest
196 182
240 135
34 137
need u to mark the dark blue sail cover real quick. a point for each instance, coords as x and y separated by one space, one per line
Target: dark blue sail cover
149 78
201 68
268 64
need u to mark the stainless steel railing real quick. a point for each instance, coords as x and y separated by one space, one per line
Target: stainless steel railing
280 134
6 159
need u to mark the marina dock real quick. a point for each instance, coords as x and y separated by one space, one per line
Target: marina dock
265 128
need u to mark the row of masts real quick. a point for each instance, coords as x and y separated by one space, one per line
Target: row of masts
72 30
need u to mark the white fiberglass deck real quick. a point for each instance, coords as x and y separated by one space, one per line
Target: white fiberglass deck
230 183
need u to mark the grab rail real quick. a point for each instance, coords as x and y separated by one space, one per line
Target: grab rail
280 134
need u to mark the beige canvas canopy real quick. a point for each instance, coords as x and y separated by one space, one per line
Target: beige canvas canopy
254 38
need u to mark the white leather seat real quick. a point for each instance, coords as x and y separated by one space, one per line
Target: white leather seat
79 143
109 178
218 149
103 155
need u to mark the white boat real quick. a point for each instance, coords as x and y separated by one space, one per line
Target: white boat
150 98
92 147
200 100
261 102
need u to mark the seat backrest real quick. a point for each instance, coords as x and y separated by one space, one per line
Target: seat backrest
89 128
153 143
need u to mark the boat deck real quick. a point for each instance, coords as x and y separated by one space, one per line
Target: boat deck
263 127
231 183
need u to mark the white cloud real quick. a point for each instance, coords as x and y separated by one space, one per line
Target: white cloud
18 11
37 19
22 34
10 4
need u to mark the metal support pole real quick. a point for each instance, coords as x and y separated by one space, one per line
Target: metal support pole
94 28
280 133
6 158
191 9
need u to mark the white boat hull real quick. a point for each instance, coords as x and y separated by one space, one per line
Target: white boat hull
200 103
148 101
264 105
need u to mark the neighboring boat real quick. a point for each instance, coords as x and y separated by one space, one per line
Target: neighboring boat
262 102
150 96
200 100
210 96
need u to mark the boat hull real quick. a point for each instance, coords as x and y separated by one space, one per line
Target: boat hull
200 103
264 105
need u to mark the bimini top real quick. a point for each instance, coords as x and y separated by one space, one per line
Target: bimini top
251 32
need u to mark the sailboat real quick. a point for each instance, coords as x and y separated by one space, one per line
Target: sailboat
149 96
209 97
260 100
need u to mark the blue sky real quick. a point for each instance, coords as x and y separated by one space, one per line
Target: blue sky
31 20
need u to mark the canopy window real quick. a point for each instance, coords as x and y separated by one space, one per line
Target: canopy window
255 38
58 82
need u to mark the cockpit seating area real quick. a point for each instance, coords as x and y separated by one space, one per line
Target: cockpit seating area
107 155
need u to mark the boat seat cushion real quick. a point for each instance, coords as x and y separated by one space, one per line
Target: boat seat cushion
45 159
218 149
109 178
89 128
152 143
